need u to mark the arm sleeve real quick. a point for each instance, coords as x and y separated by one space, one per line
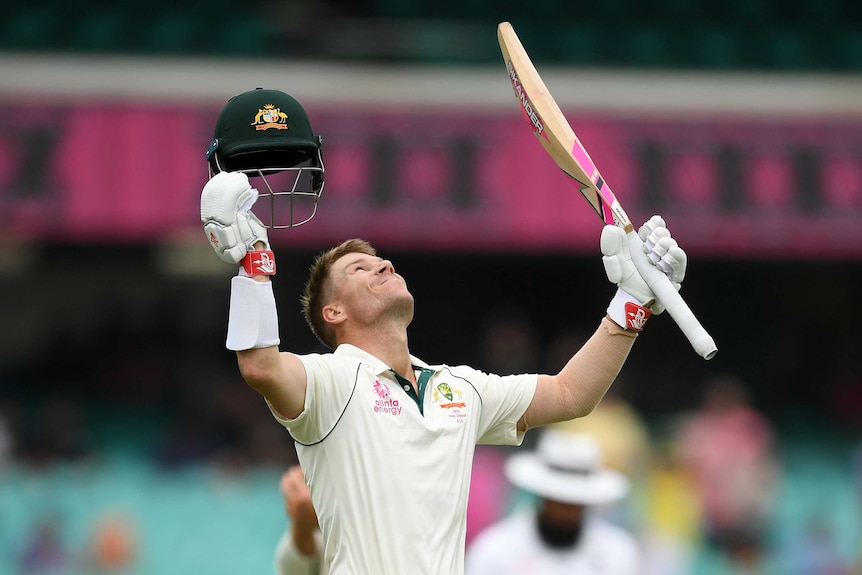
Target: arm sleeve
503 401
329 386
289 561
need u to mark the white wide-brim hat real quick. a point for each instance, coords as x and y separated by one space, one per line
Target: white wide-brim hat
566 467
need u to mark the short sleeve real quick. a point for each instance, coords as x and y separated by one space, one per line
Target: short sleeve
329 386
504 399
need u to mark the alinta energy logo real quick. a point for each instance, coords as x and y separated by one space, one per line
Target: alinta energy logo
385 403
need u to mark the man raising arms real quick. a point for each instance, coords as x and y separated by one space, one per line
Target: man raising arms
385 439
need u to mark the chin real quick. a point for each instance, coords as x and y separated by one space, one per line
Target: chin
403 305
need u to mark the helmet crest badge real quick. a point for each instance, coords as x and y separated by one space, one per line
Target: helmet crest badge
270 117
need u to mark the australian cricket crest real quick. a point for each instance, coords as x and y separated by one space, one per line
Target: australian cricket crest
270 117
450 400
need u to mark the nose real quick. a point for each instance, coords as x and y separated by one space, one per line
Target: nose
386 266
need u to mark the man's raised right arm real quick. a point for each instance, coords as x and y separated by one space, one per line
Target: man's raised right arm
238 237
278 376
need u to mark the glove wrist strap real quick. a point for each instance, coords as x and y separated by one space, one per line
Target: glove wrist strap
627 312
253 318
258 263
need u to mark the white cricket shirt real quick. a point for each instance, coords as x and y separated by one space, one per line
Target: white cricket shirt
389 470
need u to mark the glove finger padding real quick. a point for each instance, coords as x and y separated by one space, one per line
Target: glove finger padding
663 251
229 225
225 195
671 259
650 226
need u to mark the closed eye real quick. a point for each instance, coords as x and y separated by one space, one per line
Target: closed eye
361 264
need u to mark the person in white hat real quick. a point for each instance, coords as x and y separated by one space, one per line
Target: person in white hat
563 535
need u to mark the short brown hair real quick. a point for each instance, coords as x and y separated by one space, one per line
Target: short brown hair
317 290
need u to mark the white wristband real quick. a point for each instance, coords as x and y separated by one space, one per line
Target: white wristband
627 312
253 319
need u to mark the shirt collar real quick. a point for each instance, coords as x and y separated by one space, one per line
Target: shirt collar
347 350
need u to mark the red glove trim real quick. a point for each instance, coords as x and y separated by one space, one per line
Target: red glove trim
636 316
259 263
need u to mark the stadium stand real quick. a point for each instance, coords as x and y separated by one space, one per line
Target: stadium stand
740 35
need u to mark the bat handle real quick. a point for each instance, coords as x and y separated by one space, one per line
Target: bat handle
661 286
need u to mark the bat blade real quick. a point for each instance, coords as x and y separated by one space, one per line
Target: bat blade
553 131
557 137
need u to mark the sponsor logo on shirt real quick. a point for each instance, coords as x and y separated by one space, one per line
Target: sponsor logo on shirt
384 402
380 389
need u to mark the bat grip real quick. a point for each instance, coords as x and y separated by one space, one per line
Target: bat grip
661 286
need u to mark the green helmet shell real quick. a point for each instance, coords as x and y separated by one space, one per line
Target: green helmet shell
262 129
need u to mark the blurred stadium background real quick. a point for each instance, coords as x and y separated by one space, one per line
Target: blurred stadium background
128 442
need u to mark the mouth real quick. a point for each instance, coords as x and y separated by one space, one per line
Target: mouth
389 279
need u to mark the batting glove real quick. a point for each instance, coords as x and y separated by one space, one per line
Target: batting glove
230 226
635 301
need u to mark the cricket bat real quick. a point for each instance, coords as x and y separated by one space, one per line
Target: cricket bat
558 138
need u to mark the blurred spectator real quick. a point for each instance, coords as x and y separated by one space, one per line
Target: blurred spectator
300 549
563 535
816 552
742 554
672 515
730 450
113 544
44 552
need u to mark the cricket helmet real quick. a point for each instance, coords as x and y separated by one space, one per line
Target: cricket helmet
266 135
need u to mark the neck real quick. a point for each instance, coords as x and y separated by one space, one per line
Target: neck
387 342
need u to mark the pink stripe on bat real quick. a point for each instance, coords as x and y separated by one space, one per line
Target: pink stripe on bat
584 160
606 196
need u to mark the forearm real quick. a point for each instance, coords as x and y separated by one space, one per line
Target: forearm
304 539
586 377
580 385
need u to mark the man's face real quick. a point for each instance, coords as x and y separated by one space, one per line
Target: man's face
366 286
560 524
562 514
